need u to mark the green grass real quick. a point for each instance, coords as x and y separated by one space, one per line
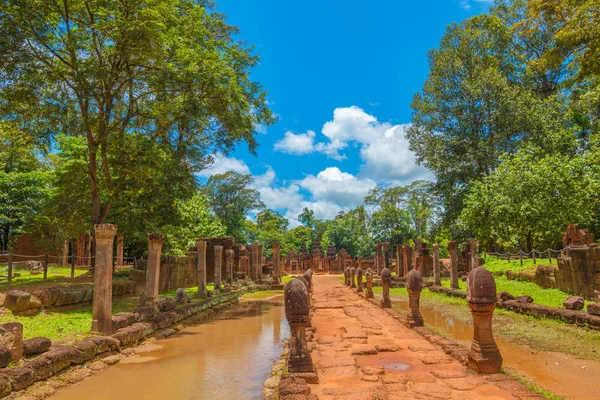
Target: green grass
26 278
191 290
65 325
496 265
262 294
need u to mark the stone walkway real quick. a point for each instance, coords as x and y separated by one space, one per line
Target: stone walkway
363 352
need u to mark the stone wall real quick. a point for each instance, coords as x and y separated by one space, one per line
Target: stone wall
178 272
578 270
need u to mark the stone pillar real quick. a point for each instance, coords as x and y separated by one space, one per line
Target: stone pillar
218 266
352 278
245 266
369 279
359 276
452 245
407 258
119 260
484 356
11 339
201 267
65 253
102 309
277 262
399 261
155 242
474 253
347 276
414 287
386 282
436 265
260 262
255 261
297 312
229 254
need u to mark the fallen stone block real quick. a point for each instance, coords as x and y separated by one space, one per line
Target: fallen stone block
574 303
19 377
11 337
36 345
594 309
22 303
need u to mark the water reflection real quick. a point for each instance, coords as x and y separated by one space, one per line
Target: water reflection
230 357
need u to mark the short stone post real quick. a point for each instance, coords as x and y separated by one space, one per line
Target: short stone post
201 267
359 276
352 278
65 253
369 279
436 265
155 243
297 312
12 340
229 254
407 258
102 303
347 276
277 263
308 277
474 254
484 356
386 281
414 287
218 266
255 261
119 260
452 245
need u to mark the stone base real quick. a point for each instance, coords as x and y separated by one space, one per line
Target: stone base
491 364
412 323
386 303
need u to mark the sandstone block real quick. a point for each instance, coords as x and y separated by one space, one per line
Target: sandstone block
594 309
574 303
36 345
21 302
166 303
11 337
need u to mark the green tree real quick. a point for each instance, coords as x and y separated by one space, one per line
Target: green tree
307 218
231 197
169 70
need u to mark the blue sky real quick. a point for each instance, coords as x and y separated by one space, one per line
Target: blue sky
340 74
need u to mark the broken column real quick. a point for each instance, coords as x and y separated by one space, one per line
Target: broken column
229 254
484 356
386 281
65 253
119 259
260 263
352 278
201 267
297 312
359 284
414 287
218 265
255 261
474 253
276 263
102 309
369 279
452 246
436 265
407 258
155 242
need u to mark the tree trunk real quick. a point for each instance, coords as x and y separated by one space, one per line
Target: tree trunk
529 242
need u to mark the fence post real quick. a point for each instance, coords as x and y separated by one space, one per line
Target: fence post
73 264
10 268
549 257
45 266
521 257
533 255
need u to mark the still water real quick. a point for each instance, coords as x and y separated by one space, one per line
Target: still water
228 358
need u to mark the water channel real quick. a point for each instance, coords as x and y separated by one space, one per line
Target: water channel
561 374
227 358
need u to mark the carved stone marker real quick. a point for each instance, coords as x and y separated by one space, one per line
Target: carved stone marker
201 248
452 245
347 276
155 242
386 281
474 253
359 276
352 278
297 312
484 356
308 276
102 309
218 266
436 265
369 279
414 287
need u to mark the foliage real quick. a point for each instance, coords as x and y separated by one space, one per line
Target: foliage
231 197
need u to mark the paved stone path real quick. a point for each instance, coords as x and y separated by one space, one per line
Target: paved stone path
362 352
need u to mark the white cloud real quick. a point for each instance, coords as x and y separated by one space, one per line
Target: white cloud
292 143
335 186
384 148
223 164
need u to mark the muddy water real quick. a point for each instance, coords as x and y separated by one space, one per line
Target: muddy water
228 358
561 374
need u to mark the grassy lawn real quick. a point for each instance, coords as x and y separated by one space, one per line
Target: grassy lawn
54 274
191 290
494 264
65 325
262 294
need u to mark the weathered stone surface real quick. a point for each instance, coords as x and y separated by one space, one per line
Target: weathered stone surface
11 337
4 356
87 350
36 345
61 357
524 299
293 386
594 309
5 386
180 296
103 343
574 303
41 366
166 303
22 303
505 296
19 377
